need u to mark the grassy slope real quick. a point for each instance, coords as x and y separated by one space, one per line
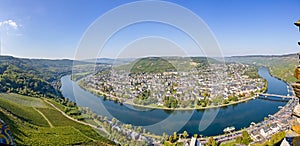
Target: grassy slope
36 130
26 113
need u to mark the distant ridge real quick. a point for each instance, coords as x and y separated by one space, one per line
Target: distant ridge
120 61
109 60
284 55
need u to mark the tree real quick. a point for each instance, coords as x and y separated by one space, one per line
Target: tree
171 139
296 140
175 135
139 129
130 126
99 118
185 134
165 136
94 116
196 135
205 94
114 121
109 128
225 101
239 139
66 101
212 142
246 138
105 118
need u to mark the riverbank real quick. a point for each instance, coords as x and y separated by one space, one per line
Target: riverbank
281 114
107 127
117 99
253 110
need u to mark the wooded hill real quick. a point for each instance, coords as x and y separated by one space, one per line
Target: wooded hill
164 64
33 77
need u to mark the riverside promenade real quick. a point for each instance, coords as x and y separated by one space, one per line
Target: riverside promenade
262 131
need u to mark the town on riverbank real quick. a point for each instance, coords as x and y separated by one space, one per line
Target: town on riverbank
87 121
198 88
272 128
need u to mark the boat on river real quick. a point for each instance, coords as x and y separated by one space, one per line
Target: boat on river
229 129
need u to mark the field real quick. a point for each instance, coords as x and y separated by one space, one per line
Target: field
29 127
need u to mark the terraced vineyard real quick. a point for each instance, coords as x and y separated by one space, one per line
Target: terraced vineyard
22 111
29 127
57 119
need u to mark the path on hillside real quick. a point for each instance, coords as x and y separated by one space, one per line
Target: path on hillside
50 124
81 122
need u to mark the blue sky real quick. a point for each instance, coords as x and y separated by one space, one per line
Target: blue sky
54 28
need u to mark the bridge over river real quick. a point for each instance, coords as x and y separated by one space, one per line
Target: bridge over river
276 95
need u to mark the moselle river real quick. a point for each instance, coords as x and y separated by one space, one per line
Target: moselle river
206 122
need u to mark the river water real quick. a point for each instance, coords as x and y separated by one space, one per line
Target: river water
206 122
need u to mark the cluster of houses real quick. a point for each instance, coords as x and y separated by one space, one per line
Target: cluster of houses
133 135
199 83
281 121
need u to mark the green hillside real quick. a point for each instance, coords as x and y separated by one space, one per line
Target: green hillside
32 120
282 67
30 127
164 64
36 77
152 65
46 69
16 80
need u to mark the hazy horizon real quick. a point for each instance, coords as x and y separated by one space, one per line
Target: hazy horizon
250 55
54 29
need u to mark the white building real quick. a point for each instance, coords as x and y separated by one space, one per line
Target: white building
195 142
284 143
